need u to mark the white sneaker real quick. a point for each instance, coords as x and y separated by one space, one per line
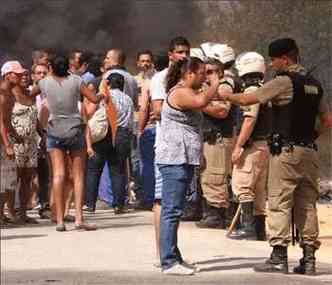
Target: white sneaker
178 269
191 265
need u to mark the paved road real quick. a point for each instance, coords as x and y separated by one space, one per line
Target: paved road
122 252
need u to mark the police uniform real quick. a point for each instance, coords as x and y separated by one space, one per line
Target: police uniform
249 177
296 101
217 150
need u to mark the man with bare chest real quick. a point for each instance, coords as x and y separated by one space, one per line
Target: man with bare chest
11 73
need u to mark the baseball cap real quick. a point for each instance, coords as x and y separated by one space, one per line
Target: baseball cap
283 46
12 66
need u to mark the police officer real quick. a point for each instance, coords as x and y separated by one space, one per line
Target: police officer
250 155
216 154
297 99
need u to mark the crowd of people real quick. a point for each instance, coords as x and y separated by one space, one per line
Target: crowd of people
77 128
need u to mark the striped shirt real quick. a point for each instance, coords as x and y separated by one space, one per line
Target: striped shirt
125 109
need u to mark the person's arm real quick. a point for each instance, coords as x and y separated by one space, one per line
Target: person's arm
240 98
90 108
324 117
4 117
157 106
280 86
90 95
35 91
89 148
217 109
144 110
247 128
187 99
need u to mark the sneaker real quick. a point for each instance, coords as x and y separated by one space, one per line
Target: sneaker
178 269
88 209
191 265
37 207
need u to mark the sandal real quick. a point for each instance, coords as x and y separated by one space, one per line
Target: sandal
85 227
60 228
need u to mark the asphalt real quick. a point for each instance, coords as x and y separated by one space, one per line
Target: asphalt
121 251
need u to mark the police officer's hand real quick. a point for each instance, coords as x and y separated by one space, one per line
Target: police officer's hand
236 155
223 93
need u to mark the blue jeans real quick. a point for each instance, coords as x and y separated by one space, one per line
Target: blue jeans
95 166
118 166
176 181
116 157
146 144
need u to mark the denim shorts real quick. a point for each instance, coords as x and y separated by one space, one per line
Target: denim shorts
76 143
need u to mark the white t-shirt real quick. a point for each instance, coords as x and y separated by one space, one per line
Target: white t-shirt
158 92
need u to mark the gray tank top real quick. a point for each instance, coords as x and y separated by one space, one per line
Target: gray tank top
180 135
62 100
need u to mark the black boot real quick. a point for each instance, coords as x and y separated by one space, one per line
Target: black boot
212 218
247 230
307 262
192 212
260 227
277 263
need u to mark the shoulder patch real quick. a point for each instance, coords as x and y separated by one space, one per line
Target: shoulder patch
311 90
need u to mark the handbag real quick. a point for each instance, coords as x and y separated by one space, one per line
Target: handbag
98 124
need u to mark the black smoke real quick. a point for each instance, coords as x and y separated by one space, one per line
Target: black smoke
94 25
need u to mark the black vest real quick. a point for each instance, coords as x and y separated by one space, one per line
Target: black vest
295 122
263 123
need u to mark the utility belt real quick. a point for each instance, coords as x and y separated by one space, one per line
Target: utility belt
276 143
251 140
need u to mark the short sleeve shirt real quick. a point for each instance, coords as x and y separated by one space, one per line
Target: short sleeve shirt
158 92
158 85
251 110
279 90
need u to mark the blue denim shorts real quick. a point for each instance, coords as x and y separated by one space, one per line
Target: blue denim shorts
76 143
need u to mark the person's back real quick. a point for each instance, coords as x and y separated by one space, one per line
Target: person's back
130 84
62 96
114 62
125 108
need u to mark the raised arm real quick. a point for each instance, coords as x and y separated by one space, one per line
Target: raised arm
186 98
